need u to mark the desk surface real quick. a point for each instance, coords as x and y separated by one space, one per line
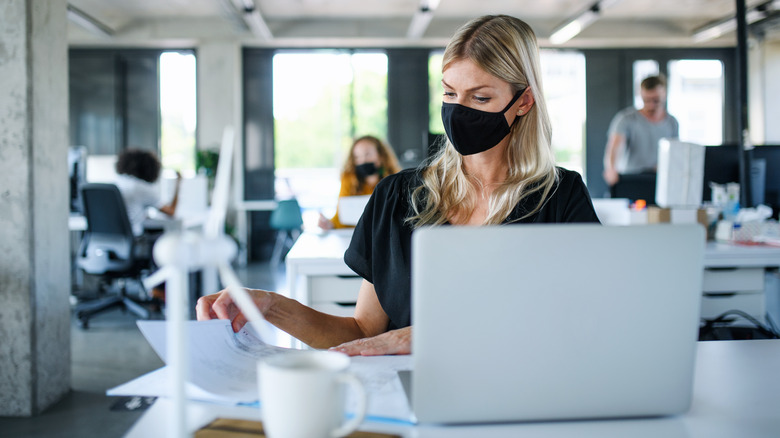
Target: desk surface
728 255
328 248
319 248
736 394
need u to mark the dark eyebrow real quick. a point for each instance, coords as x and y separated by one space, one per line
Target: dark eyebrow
470 89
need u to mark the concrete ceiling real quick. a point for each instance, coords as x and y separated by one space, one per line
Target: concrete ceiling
386 23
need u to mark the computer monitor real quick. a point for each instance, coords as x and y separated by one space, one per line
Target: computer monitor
771 155
77 175
721 166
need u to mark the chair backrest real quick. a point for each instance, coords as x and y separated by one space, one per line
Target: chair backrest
108 242
635 186
287 215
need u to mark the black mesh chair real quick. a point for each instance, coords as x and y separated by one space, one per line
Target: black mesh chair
109 250
635 186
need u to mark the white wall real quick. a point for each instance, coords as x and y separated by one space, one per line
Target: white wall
764 89
219 90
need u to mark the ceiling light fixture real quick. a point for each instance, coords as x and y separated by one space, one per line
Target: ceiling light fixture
88 22
579 22
422 18
254 19
722 27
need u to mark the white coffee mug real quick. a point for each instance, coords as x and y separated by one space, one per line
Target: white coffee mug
302 395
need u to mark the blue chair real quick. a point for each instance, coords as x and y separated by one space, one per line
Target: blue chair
286 219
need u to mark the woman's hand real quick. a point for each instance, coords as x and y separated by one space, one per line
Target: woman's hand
221 306
392 342
325 223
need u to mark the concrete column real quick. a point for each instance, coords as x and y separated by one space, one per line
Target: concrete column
34 257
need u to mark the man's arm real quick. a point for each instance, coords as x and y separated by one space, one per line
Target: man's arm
615 145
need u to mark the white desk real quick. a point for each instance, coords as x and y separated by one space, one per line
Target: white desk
733 277
736 394
724 255
319 255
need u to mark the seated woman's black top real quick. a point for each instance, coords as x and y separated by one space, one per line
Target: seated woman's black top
380 250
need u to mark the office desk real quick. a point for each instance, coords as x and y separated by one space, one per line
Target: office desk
734 278
316 272
317 275
724 255
736 394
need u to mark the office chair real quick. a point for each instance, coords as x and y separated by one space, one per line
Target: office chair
108 250
635 186
286 219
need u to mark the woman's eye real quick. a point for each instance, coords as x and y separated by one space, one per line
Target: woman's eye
449 94
482 99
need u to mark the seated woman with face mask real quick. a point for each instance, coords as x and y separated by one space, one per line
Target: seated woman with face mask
370 159
496 168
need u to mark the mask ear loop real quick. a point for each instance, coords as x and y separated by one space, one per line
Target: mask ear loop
514 99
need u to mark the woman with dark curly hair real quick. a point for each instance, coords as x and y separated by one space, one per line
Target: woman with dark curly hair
138 171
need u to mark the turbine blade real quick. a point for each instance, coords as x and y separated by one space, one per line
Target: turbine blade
158 277
219 199
245 303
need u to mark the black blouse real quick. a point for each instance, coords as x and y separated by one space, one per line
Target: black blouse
380 250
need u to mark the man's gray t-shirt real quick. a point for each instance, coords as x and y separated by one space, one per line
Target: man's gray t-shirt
642 135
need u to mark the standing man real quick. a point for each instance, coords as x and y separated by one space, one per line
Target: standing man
633 134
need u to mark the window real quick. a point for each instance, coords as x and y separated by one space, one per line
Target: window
177 111
436 90
642 69
696 99
694 96
322 100
563 75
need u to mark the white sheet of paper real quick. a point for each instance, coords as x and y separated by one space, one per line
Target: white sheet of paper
223 369
221 362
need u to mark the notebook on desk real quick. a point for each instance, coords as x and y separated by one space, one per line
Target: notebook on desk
548 322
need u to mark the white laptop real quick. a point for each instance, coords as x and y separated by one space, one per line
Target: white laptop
351 208
552 322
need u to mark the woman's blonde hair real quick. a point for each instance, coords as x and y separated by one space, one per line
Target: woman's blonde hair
389 161
506 48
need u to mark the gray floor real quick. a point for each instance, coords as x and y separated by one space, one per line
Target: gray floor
112 351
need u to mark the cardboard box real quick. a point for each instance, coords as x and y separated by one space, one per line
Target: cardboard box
658 215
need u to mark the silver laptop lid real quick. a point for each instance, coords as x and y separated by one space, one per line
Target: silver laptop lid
539 322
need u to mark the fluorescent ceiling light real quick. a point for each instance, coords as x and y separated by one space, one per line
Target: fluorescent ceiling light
422 18
575 26
88 22
253 19
722 27
257 25
571 28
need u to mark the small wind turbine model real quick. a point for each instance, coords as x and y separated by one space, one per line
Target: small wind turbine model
178 253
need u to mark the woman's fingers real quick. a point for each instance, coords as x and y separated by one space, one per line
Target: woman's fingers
392 342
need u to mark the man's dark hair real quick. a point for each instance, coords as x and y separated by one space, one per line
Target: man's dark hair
652 82
139 163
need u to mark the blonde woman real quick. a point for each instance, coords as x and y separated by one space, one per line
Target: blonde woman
369 160
497 167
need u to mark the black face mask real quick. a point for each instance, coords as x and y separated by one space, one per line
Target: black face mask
365 170
473 131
